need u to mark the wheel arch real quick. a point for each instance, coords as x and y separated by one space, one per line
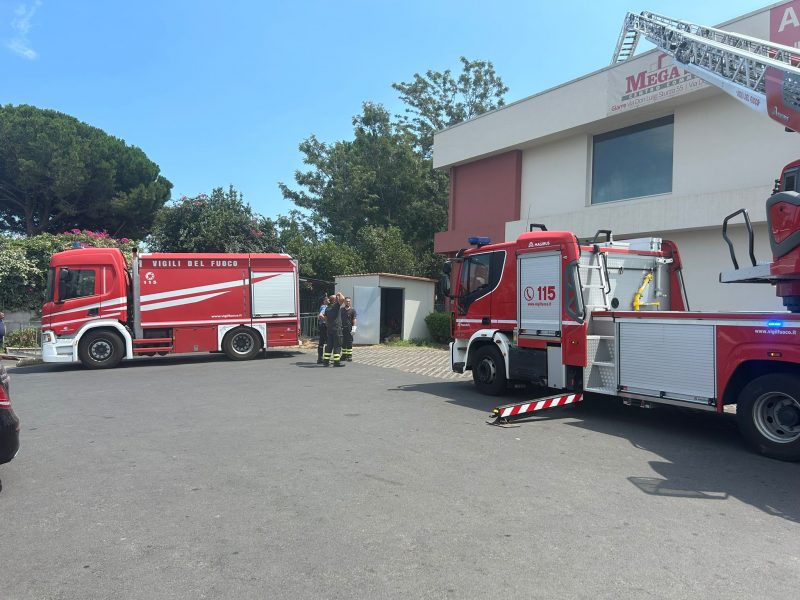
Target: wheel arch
484 337
259 328
749 370
108 325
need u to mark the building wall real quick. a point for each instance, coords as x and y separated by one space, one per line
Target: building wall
725 156
483 195
704 255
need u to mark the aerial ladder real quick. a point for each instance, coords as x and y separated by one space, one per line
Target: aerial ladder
762 75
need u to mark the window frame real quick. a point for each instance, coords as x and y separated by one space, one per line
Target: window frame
616 133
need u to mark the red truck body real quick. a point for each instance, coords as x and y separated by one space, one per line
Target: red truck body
98 312
611 318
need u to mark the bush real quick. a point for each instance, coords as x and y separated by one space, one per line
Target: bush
22 338
439 325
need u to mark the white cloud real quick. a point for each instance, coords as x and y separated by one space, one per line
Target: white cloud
21 24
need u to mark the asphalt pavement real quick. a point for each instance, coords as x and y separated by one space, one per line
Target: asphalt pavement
197 477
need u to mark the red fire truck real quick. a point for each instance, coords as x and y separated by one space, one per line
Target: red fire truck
98 312
611 318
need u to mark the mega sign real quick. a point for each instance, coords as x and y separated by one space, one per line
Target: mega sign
658 81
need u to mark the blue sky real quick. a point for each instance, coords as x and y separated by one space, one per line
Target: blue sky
221 93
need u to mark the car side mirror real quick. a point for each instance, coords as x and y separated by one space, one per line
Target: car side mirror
444 285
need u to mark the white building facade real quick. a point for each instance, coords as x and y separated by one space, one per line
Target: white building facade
642 148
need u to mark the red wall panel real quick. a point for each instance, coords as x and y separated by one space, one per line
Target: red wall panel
484 195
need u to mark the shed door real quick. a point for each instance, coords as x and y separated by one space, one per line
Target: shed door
367 302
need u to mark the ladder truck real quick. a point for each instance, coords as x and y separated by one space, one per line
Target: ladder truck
604 318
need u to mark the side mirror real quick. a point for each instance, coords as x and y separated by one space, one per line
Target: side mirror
447 267
444 285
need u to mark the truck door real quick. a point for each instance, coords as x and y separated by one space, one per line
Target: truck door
480 274
75 299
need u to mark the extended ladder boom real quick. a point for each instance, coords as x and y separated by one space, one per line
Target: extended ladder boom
763 75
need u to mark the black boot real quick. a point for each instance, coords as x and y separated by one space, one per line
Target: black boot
339 364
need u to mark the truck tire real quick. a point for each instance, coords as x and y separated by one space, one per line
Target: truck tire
768 413
241 343
489 371
101 349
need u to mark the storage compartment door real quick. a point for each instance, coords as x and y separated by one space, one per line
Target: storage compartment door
539 289
367 302
274 294
670 360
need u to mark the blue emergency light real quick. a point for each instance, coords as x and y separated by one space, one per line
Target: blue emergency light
479 241
774 324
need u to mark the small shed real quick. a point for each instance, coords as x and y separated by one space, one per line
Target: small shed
388 305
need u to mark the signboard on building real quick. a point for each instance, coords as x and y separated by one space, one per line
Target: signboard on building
784 24
637 85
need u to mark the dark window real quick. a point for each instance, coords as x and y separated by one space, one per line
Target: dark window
479 276
75 283
476 274
51 278
633 162
790 181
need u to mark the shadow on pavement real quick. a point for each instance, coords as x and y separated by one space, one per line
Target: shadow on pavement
700 455
153 361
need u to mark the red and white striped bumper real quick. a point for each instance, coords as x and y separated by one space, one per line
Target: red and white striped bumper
512 410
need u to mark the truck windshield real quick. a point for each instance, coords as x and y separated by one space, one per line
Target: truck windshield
51 277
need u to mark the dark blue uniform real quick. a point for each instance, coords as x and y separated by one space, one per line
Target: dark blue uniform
333 349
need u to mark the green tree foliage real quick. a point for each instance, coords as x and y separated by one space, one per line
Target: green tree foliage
378 179
17 276
330 258
24 263
221 222
360 190
436 100
58 173
385 250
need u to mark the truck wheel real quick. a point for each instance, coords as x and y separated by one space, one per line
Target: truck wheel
100 350
241 343
489 371
768 412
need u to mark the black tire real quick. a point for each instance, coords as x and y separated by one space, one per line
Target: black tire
489 371
768 413
241 343
101 349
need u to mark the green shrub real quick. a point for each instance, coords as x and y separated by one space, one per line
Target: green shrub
439 325
25 337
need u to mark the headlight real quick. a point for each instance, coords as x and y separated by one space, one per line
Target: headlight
48 337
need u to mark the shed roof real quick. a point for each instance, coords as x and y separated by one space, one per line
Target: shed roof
394 275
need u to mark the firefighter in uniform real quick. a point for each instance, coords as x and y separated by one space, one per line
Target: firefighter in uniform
323 330
333 319
348 329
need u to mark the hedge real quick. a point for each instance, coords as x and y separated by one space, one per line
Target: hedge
439 325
